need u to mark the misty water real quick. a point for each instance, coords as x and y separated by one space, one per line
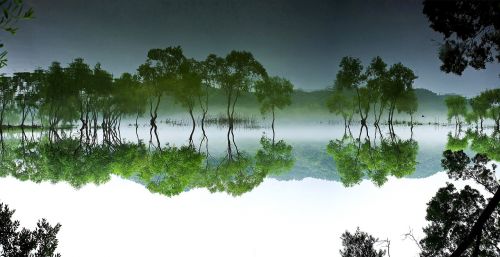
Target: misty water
249 196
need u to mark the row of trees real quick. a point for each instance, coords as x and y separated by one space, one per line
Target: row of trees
377 88
484 106
61 95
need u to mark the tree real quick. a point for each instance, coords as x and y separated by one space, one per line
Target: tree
188 89
470 30
350 77
159 74
272 93
457 106
359 244
464 223
343 103
492 97
59 102
12 11
408 103
39 242
480 105
400 84
239 72
377 79
452 215
7 92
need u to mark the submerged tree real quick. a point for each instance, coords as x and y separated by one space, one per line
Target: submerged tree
41 241
377 80
188 89
457 107
239 72
272 93
343 103
400 86
351 77
159 74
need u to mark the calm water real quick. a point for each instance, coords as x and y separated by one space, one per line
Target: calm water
290 201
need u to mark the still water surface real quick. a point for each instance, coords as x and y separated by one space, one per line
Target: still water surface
300 211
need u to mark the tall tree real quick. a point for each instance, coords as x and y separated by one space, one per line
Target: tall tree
188 89
159 74
377 79
400 83
240 71
479 105
350 77
273 93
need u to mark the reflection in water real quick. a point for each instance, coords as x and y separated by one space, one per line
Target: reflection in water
168 170
234 163
356 158
478 141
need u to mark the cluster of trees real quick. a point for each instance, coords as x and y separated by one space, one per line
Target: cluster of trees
461 222
358 158
61 96
475 110
377 88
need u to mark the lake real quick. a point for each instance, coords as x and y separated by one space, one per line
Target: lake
241 195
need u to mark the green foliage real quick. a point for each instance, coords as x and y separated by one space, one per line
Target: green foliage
342 102
457 106
356 159
455 143
345 152
272 93
274 158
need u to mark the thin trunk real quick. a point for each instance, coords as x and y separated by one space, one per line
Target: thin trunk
272 125
194 125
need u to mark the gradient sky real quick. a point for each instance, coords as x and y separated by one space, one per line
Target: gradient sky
300 40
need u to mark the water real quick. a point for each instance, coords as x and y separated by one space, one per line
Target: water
299 211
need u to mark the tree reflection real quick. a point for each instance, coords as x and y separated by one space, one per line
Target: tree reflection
357 158
170 170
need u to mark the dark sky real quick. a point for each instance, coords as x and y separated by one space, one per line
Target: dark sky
300 40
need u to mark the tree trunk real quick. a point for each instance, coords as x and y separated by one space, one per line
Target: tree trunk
478 226
272 126
194 125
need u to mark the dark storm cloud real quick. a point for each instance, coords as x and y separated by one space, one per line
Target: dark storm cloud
300 40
